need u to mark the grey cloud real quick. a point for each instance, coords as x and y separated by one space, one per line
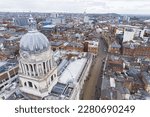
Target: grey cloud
97 6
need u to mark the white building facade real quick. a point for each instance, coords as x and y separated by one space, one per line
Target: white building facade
128 35
37 69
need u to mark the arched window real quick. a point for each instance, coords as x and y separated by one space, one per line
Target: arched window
54 75
25 84
30 84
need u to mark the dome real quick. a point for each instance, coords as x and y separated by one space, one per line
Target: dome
33 42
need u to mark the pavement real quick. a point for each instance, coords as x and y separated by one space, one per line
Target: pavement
92 86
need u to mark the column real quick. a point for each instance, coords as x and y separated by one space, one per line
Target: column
51 63
29 70
48 65
42 68
45 67
20 67
23 68
37 68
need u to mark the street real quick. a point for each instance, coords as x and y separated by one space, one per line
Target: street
92 86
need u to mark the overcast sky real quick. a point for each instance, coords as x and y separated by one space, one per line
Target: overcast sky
78 6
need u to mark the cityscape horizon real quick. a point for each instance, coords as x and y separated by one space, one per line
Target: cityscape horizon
75 56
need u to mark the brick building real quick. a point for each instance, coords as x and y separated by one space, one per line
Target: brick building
73 46
114 48
116 64
136 49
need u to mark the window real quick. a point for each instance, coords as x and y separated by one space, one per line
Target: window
25 84
27 67
30 84
31 67
44 67
54 75
52 78
54 49
50 63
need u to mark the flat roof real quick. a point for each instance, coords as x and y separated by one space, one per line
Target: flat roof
72 71
49 26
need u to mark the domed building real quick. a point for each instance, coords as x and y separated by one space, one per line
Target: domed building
37 68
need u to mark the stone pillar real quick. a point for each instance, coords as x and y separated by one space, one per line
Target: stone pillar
27 84
50 64
37 68
29 70
42 68
46 67
23 67
26 71
20 67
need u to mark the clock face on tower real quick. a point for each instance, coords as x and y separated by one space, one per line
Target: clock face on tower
24 55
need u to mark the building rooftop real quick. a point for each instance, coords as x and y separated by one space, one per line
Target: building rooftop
115 45
73 44
146 76
60 92
6 65
58 43
49 26
73 71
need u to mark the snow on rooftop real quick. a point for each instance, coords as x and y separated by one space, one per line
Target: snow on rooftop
73 70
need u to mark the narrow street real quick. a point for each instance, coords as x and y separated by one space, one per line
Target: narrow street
91 90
